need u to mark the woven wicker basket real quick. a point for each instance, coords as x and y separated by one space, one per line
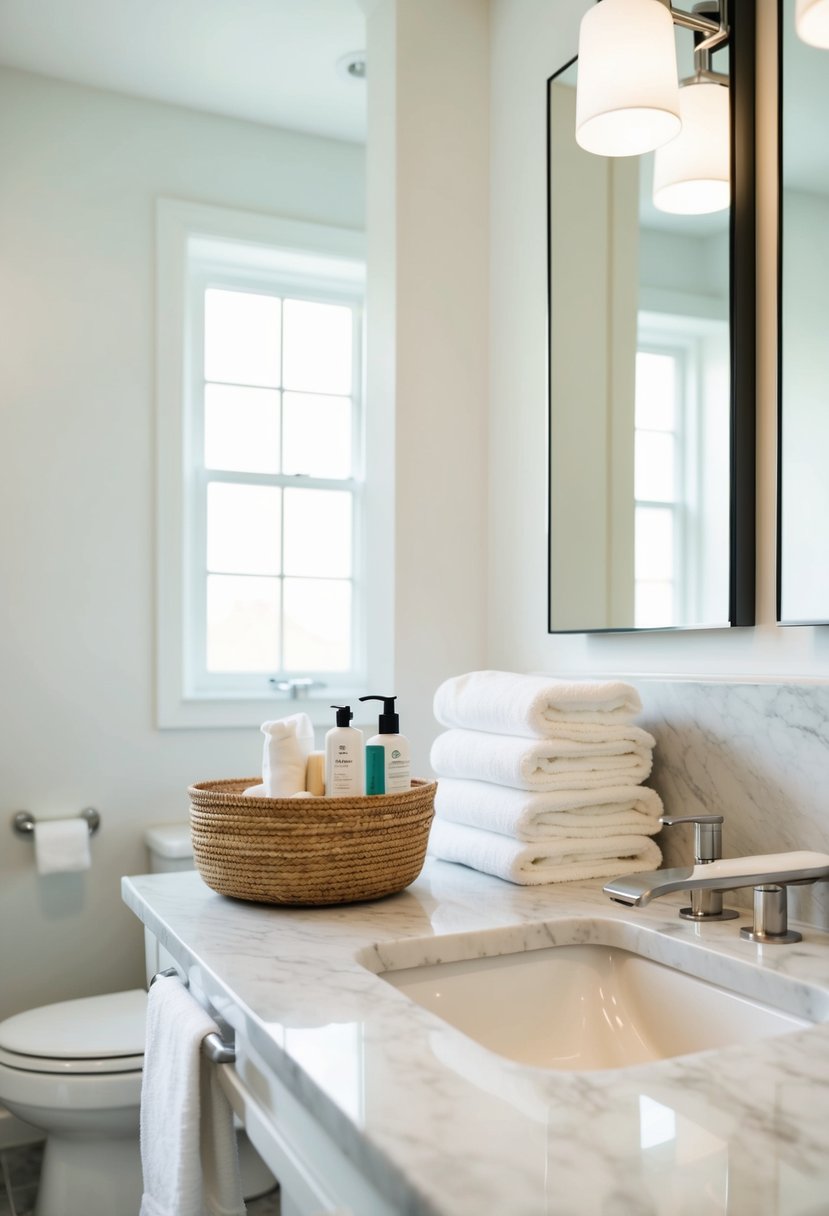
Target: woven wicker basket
308 851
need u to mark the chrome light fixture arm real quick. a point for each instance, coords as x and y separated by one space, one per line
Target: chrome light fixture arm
715 31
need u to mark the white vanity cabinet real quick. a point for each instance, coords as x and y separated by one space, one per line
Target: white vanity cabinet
314 1175
315 1178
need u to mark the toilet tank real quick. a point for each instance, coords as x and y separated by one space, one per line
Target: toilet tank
170 848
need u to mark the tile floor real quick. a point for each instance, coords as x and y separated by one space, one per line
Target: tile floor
20 1170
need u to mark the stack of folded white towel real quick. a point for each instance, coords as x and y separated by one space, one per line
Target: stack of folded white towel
539 780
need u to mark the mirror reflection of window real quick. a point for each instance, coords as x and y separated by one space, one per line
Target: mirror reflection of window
658 488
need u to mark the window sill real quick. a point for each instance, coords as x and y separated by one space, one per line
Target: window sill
213 712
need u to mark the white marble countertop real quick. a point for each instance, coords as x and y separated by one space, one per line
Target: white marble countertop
441 1125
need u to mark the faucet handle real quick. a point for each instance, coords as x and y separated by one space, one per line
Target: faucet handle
705 905
707 835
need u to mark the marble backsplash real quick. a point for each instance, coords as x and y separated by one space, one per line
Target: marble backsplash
758 754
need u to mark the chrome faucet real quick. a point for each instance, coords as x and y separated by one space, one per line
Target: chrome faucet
706 904
769 874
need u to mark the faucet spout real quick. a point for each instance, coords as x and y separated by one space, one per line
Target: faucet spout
727 874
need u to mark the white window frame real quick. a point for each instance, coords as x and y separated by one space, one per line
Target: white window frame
683 578
281 254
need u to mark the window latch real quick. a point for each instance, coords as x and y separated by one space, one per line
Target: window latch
296 689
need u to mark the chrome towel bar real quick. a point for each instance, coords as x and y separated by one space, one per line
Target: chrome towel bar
213 1045
217 1051
24 821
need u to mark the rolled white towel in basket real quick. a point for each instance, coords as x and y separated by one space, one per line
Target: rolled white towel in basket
288 744
565 860
530 816
504 703
623 757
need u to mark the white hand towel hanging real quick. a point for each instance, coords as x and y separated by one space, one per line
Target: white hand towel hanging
188 1141
525 815
565 860
623 757
504 703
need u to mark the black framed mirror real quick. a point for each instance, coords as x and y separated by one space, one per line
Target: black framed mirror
651 377
803 319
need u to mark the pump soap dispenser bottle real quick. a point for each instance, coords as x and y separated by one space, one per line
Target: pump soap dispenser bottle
344 757
388 763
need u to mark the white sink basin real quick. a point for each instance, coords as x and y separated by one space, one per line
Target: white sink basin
587 1006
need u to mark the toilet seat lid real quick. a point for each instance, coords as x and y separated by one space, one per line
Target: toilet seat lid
67 1067
92 1028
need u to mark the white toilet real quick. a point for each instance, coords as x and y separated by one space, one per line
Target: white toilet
73 1070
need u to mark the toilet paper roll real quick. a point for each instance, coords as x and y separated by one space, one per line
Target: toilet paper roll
62 846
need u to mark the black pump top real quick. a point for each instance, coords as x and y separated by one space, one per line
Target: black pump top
344 714
389 720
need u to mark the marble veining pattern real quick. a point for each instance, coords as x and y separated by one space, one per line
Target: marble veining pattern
758 754
441 1126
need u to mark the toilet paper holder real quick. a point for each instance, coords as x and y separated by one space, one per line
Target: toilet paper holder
24 821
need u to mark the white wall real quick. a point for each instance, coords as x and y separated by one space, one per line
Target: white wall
694 265
81 172
530 40
427 212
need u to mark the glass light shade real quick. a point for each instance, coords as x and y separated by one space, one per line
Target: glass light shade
812 22
627 99
691 174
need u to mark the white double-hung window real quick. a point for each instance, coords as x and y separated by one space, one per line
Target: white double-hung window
265 587
682 445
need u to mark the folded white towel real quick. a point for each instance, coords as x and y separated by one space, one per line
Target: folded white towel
623 757
564 860
288 744
504 703
62 846
188 1141
525 815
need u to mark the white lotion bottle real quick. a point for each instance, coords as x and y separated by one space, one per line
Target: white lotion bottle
344 773
388 758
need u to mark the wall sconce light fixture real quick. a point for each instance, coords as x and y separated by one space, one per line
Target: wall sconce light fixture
627 99
812 22
691 174
628 96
